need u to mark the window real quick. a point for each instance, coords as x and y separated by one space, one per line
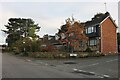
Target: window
90 30
92 42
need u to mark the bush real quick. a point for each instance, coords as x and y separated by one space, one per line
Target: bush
49 48
64 55
16 50
28 46
82 55
94 54
41 55
89 54
49 55
88 50
63 48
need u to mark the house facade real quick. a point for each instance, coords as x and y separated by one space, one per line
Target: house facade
98 34
101 31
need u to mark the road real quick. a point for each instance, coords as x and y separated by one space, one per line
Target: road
22 67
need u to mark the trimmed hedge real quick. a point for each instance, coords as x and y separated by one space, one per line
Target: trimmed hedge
49 55
88 54
62 55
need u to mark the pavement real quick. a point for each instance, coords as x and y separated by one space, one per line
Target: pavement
92 67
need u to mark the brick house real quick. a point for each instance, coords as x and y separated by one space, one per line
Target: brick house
101 31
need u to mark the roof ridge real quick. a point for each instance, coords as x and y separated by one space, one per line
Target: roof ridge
99 17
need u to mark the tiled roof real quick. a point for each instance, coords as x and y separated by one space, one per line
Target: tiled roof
97 19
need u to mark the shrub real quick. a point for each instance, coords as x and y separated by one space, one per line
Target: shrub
88 50
82 55
89 54
41 55
49 48
49 55
63 48
16 50
28 46
94 54
64 55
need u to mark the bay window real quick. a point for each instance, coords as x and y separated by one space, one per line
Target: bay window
90 30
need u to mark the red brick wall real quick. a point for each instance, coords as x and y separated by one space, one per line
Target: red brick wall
108 37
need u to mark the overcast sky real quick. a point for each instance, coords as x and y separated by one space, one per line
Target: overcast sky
51 15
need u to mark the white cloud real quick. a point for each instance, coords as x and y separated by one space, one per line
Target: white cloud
50 25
